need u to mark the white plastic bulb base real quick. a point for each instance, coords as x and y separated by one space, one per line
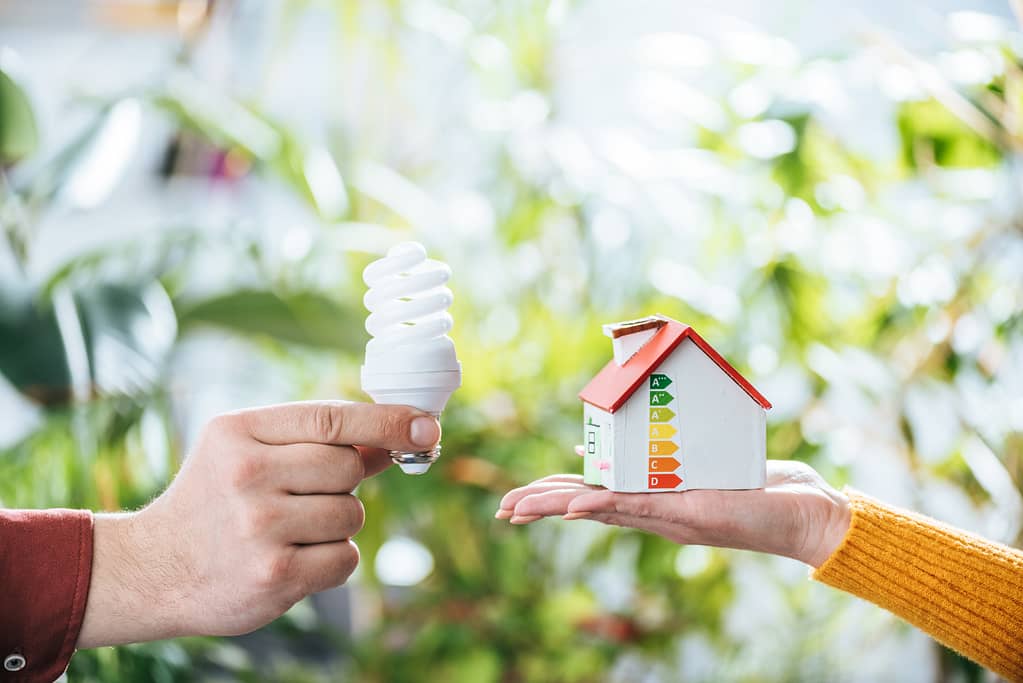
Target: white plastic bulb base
427 391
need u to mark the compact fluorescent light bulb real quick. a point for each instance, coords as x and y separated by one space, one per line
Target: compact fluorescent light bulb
410 360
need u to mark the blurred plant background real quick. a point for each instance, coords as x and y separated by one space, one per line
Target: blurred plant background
829 191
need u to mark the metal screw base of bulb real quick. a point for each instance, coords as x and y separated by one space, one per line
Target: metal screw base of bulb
415 463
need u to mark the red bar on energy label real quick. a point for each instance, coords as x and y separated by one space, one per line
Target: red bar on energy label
663 481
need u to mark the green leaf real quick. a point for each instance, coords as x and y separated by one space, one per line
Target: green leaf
929 127
127 332
32 354
19 137
43 186
146 258
307 318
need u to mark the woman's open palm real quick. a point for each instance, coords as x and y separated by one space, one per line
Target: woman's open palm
797 514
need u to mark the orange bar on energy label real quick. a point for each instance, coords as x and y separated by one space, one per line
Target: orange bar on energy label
664 464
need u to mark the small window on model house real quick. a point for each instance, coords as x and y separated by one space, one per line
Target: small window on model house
591 437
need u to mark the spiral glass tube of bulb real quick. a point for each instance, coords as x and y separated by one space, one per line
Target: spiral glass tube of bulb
410 359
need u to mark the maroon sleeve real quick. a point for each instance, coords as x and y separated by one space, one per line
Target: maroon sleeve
45 567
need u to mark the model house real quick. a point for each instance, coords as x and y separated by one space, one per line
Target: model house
668 413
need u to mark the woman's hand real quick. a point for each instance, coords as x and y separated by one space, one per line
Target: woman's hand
797 514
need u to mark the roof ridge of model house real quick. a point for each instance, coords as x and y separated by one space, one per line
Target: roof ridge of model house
640 346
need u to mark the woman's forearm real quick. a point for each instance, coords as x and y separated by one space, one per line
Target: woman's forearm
965 591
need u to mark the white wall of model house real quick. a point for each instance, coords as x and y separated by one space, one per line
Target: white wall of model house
721 430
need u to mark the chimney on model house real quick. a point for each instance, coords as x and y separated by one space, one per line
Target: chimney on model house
628 337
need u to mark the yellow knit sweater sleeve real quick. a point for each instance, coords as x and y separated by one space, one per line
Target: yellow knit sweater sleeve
965 591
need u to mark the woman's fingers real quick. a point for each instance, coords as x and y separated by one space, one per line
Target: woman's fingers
539 486
563 478
548 503
681 507
572 500
679 516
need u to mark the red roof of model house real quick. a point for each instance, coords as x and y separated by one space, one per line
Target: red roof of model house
612 386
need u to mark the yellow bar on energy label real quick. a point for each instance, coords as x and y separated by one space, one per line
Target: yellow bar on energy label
663 447
662 431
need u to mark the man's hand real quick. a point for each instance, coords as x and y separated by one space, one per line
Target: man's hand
796 514
260 515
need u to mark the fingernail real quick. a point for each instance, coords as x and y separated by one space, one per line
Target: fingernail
503 514
524 519
425 431
575 515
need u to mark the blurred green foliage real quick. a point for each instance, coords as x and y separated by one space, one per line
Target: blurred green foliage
864 334
18 135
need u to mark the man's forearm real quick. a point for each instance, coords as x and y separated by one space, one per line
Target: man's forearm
126 602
